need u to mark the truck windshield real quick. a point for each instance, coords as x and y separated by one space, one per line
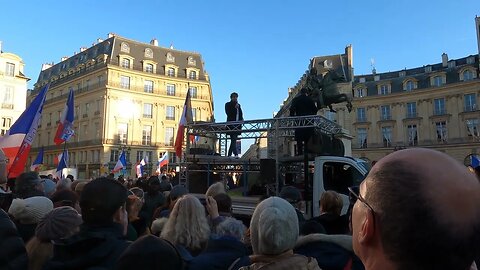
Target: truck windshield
339 176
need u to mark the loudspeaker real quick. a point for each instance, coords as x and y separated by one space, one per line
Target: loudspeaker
267 170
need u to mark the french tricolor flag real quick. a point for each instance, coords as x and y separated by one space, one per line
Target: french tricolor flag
121 163
38 161
65 126
18 140
163 160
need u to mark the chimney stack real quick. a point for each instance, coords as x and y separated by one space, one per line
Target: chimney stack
444 60
154 42
46 66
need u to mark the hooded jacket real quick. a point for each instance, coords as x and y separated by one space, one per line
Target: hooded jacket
94 247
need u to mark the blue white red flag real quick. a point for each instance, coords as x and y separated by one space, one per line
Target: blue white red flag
184 119
65 126
18 140
38 161
163 160
62 164
140 168
121 163
475 162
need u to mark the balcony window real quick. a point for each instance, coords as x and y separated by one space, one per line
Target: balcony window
147 135
387 136
122 131
125 63
385 113
412 135
194 114
148 86
149 68
411 110
125 82
362 137
170 89
140 156
472 127
5 124
441 129
114 155
170 113
169 136
470 102
10 69
361 115
361 92
439 106
147 110
193 91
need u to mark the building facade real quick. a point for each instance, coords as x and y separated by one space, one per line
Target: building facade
13 89
129 96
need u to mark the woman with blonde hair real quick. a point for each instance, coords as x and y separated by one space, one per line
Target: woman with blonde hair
187 227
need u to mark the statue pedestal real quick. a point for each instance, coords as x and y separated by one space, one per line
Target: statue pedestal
346 140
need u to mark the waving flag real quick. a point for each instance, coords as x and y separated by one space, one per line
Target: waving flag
18 140
62 164
475 162
140 168
186 118
57 159
121 163
65 126
163 160
38 161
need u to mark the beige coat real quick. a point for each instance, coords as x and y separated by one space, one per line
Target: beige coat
284 261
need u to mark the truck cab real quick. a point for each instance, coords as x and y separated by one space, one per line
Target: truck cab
337 174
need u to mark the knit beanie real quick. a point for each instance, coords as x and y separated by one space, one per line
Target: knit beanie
150 252
30 210
274 227
61 222
48 186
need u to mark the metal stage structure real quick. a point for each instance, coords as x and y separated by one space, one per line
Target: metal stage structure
277 131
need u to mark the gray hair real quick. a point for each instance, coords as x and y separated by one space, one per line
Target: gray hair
215 189
231 227
64 183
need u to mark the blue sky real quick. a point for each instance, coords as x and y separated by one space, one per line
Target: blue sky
257 48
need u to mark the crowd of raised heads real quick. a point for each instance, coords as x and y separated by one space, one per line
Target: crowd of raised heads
416 209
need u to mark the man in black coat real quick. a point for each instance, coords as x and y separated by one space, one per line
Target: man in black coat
101 239
302 105
12 249
234 113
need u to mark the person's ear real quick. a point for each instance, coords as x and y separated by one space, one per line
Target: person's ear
367 230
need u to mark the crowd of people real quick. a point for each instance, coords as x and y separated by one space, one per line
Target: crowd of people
416 209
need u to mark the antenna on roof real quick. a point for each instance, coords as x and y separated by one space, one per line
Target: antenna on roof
372 64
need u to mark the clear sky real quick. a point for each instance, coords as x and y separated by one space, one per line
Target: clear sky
257 48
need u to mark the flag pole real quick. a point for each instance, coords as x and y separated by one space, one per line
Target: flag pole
63 157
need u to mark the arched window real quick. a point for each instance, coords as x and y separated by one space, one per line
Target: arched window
437 81
149 68
171 72
467 75
409 86
192 75
148 53
125 63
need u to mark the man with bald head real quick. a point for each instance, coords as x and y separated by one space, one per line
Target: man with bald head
417 209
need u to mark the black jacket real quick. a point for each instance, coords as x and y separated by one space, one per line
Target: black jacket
231 111
12 249
220 254
94 247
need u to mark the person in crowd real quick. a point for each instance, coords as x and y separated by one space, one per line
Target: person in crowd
274 231
71 178
60 223
215 188
100 241
64 183
224 248
302 105
294 197
330 209
137 226
65 197
28 212
417 209
332 252
157 225
234 114
187 227
150 253
13 255
165 184
176 192
28 185
78 186
153 199
6 196
48 186
218 208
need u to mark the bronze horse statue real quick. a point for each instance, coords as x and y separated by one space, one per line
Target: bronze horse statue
323 89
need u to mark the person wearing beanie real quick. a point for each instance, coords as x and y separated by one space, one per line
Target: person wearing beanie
48 186
60 223
294 197
28 212
12 249
101 239
65 197
274 233
28 185
153 199
150 253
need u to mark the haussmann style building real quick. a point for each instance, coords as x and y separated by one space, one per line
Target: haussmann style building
129 96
